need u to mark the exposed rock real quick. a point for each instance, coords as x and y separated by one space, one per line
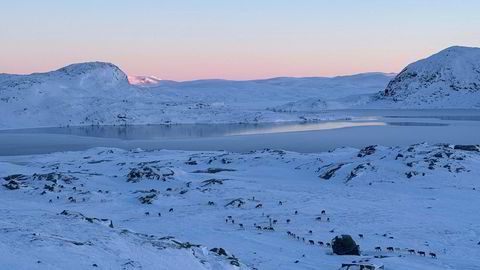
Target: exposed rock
474 148
212 182
214 170
12 185
149 172
148 199
331 171
219 251
369 150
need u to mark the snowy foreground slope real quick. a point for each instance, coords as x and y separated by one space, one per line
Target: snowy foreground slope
115 209
100 93
448 79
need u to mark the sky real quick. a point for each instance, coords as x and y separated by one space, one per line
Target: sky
243 39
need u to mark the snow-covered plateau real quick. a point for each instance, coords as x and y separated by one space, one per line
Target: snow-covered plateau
412 207
99 93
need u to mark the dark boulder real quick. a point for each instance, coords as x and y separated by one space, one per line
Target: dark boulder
345 245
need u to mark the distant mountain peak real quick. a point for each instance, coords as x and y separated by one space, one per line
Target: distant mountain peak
144 80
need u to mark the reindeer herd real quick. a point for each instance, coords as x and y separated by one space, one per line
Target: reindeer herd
322 217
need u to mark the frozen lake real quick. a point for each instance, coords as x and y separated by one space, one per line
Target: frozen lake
365 127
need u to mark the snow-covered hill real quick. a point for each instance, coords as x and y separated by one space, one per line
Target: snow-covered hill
114 209
448 79
100 93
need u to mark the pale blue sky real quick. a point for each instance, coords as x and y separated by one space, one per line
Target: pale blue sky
192 39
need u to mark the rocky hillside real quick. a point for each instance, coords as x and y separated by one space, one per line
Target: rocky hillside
448 79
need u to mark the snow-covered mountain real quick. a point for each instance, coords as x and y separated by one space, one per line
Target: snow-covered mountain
100 93
76 94
144 80
448 79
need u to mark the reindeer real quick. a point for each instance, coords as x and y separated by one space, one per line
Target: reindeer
147 213
296 212
159 214
360 235
433 255
328 244
288 221
280 203
318 219
421 253
310 232
311 242
259 205
390 249
170 210
378 249
320 243
411 251
323 212
241 225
